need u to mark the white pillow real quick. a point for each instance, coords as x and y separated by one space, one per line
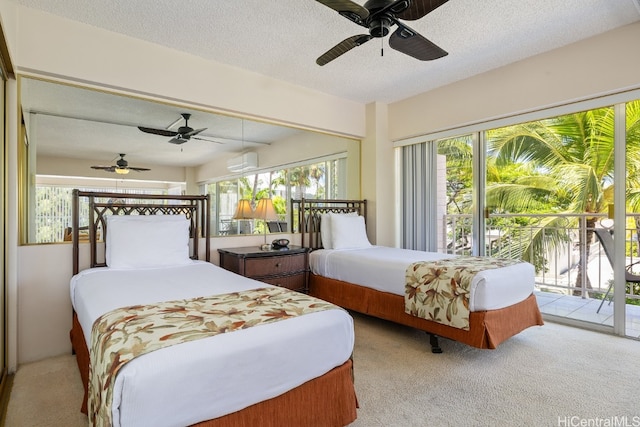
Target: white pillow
325 227
325 231
349 232
147 241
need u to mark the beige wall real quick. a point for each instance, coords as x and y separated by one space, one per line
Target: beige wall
46 45
78 167
378 177
601 65
44 305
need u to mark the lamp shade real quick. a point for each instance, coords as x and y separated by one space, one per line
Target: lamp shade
265 210
243 211
121 171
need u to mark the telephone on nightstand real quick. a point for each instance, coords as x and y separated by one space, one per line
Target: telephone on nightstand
280 244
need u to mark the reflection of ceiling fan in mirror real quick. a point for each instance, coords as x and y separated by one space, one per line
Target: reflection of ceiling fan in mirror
182 135
121 167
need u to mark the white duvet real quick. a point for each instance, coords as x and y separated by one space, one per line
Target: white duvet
208 378
383 268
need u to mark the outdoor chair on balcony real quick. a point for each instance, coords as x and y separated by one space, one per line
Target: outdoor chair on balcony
606 241
277 226
83 234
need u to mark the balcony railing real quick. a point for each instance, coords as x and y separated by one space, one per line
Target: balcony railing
555 244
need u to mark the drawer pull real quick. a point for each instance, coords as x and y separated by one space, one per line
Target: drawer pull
278 265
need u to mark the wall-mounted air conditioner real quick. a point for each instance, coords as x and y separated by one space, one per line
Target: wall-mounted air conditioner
242 163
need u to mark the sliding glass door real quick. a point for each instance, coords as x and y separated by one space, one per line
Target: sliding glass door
3 208
543 191
550 184
629 282
437 194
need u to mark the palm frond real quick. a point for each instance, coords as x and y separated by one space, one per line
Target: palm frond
544 237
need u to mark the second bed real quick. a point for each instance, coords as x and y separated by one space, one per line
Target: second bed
372 279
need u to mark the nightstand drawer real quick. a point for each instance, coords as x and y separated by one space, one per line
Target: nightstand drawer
294 282
288 268
273 266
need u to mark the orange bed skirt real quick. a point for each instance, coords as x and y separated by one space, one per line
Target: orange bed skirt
328 400
487 328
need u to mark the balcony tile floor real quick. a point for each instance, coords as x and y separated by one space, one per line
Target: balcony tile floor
585 309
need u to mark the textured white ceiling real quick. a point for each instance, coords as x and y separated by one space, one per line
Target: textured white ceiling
283 38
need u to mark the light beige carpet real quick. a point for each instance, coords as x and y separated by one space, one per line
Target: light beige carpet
47 393
546 376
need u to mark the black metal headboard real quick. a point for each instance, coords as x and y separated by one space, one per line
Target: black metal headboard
308 212
195 208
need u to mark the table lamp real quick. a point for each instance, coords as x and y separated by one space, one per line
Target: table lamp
266 212
243 211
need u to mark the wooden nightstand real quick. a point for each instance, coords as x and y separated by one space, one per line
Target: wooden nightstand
286 268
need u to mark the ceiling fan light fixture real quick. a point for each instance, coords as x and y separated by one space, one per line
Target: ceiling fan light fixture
178 139
380 27
121 167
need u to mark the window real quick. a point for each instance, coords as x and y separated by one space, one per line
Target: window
537 191
321 179
53 212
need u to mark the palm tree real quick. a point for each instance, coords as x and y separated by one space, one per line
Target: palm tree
570 160
633 167
459 155
316 173
299 179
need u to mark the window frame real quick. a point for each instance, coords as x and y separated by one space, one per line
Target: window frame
335 164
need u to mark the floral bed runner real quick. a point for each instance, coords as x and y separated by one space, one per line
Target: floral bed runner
439 290
122 334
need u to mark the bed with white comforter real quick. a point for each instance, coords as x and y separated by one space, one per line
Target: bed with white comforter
286 368
383 268
479 301
212 376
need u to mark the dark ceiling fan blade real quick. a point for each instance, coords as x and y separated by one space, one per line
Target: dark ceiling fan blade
121 166
343 47
350 10
105 168
193 132
182 135
162 132
409 42
395 7
205 139
419 8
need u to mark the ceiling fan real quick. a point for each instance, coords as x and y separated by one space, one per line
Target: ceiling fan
121 167
182 135
378 16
